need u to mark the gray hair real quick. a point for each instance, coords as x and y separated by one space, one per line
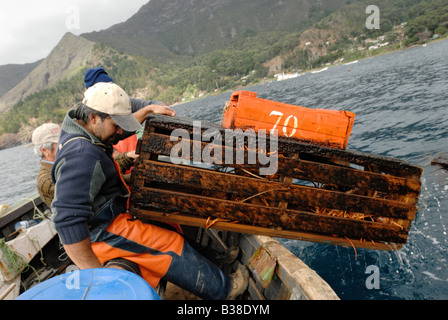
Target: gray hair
46 145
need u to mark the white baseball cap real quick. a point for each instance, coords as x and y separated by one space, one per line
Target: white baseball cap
48 132
109 98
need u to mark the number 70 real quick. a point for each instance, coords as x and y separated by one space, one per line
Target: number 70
280 115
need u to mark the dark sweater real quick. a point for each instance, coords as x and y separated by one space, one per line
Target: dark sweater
85 179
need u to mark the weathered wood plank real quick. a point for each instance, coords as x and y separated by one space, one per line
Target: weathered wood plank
329 174
390 165
246 187
287 180
190 220
154 199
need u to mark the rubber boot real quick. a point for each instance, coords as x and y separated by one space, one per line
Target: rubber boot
194 273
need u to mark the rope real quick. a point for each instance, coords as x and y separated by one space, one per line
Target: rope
38 248
38 214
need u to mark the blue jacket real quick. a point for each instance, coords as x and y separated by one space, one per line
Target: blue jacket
86 179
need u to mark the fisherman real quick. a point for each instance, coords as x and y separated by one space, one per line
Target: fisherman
124 154
45 141
125 149
90 204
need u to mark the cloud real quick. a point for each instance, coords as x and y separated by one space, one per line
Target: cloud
30 29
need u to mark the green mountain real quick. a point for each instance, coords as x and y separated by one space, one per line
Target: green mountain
201 46
64 60
12 74
166 29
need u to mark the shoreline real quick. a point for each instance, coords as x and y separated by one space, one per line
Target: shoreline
10 140
386 50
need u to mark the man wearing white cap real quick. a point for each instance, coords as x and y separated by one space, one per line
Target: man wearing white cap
45 140
91 199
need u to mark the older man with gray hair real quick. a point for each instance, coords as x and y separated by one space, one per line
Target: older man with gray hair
45 141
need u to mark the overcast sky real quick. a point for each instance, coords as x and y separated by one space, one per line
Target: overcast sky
30 29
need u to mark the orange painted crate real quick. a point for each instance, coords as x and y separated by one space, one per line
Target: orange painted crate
330 128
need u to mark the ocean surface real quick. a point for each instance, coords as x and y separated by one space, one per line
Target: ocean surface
401 105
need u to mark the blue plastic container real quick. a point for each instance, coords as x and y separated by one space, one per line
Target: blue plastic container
92 284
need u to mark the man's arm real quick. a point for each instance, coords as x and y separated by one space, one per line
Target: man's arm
141 114
142 108
137 104
82 255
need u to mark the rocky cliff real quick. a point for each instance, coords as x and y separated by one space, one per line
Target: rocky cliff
12 74
71 54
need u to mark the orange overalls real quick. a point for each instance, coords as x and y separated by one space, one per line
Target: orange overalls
159 252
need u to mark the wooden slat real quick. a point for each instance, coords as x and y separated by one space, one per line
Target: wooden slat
305 170
190 220
287 180
192 177
387 165
168 201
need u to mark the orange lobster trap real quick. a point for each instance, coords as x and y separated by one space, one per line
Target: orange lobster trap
316 193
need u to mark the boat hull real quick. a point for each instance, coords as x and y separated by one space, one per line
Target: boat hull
292 279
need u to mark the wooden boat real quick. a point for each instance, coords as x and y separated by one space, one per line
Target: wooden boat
28 255
275 272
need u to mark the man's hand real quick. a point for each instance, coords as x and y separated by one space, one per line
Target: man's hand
141 114
132 155
160 109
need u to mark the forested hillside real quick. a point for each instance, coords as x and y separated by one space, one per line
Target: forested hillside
170 29
52 104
